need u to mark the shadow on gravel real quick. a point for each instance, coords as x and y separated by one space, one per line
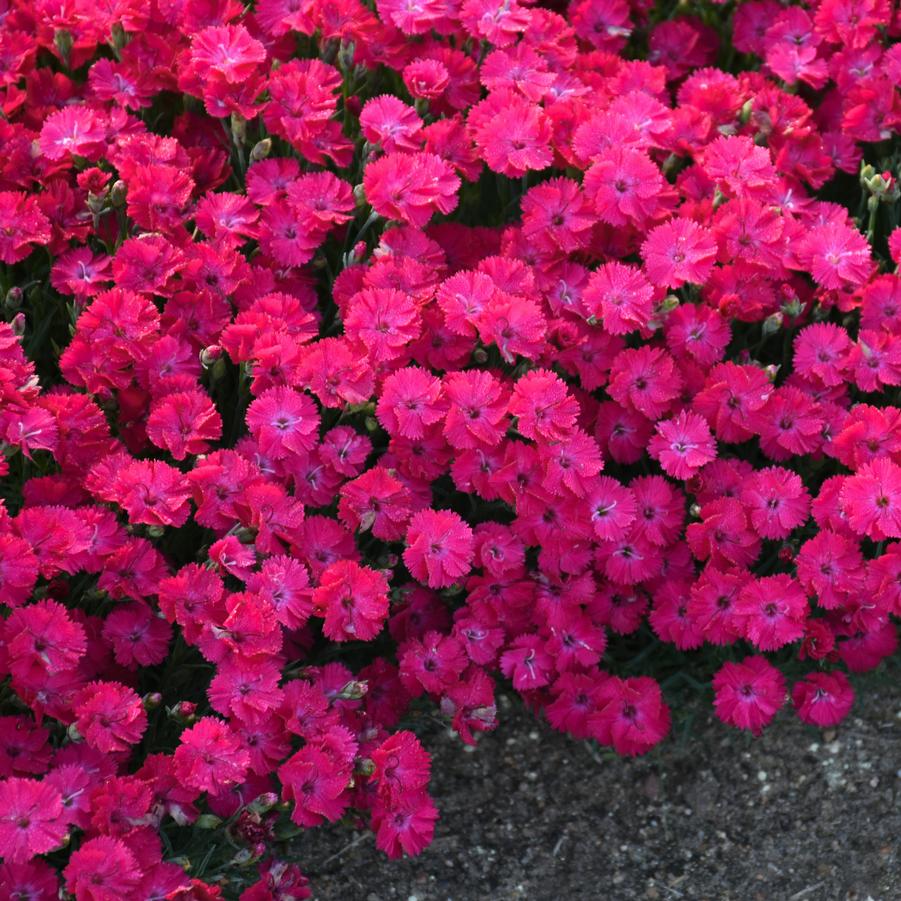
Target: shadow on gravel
797 815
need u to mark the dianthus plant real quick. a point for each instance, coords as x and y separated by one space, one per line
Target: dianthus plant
359 358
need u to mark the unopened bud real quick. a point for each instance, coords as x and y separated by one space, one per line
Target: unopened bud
668 304
353 691
773 323
261 150
184 711
73 734
209 355
264 803
793 308
118 192
480 355
365 767
359 195
18 325
14 298
744 115
63 41
155 531
152 700
370 424
239 128
208 821
96 203
695 511
866 173
117 36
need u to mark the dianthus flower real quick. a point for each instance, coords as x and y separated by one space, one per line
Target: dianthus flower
749 693
823 699
871 500
284 422
315 785
632 716
439 548
611 508
619 297
184 423
774 610
543 406
411 400
407 827
210 756
776 501
411 187
401 767
384 320
353 599
103 867
624 186
679 251
110 716
836 255
682 445
31 819
645 379
822 350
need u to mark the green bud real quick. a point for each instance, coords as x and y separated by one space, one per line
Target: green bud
261 150
208 821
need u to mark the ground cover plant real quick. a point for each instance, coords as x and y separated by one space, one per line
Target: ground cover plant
357 358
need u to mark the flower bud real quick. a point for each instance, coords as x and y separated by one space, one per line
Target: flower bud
209 355
117 36
261 150
118 192
63 41
353 691
18 324
264 803
365 767
773 323
208 821
152 700
14 298
360 195
238 128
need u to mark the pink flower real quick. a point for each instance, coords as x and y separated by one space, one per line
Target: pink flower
110 716
284 423
677 252
625 186
210 756
836 255
411 400
31 819
411 187
871 500
774 610
390 123
645 379
776 502
631 716
749 693
353 599
439 548
611 508
543 406
682 445
823 699
619 297
76 130
227 51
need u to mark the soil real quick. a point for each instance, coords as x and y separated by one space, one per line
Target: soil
799 814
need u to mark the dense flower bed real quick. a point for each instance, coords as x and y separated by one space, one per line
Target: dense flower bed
356 358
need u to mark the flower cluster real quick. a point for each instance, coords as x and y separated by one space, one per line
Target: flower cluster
359 358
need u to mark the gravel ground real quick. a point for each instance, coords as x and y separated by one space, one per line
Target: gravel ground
797 815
